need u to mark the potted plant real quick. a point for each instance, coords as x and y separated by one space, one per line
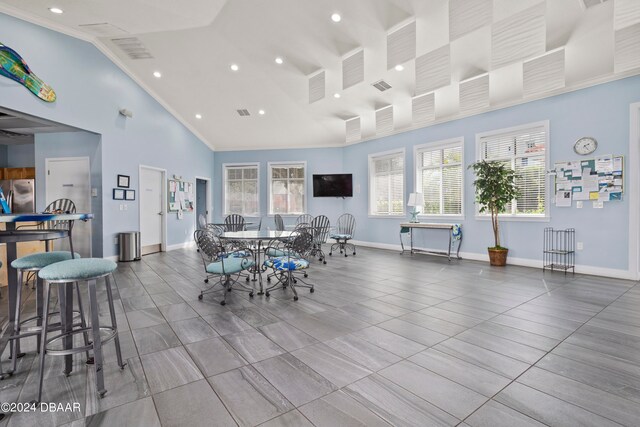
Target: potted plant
495 188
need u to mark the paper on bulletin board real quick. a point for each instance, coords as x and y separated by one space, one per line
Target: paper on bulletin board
604 164
563 199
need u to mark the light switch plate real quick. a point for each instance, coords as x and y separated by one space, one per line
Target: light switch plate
94 192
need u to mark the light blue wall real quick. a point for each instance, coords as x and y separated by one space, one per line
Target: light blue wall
21 156
319 161
600 111
91 90
72 144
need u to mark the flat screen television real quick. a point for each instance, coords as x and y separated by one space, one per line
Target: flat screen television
333 185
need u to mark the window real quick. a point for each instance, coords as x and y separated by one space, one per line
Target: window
287 186
241 185
524 149
439 177
386 183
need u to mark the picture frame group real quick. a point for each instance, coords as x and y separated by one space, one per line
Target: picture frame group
123 192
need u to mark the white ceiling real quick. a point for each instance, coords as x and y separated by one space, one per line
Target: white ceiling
496 48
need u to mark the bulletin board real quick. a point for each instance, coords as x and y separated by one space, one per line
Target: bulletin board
599 180
180 196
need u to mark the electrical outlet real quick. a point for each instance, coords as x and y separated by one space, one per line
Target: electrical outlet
94 192
579 204
580 246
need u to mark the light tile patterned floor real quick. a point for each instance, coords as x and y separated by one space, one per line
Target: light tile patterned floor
385 339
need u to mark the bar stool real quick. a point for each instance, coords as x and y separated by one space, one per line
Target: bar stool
86 270
34 263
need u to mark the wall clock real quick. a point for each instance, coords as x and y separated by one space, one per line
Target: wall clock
585 145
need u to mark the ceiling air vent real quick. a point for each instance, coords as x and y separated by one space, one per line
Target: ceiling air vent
243 112
103 29
381 85
132 47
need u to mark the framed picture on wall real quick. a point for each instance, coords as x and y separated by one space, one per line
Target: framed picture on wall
129 194
123 181
118 194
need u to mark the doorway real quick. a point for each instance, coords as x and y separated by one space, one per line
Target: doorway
151 206
202 199
70 178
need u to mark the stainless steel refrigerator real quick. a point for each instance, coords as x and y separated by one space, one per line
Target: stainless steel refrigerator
20 194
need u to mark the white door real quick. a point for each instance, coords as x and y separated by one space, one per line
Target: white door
70 178
151 210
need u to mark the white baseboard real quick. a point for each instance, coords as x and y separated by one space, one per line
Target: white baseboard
113 258
523 262
185 245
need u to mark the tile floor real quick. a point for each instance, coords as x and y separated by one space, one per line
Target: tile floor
385 339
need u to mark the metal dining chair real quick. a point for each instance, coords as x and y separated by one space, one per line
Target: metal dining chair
320 228
234 222
346 227
279 222
304 219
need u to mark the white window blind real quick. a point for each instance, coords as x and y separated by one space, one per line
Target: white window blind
386 184
525 151
287 189
439 178
241 190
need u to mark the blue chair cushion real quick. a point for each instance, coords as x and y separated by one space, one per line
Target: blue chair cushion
231 266
41 260
78 269
273 252
237 254
338 236
287 264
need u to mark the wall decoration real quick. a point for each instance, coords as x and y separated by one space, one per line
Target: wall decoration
123 181
15 68
180 196
129 194
598 180
118 194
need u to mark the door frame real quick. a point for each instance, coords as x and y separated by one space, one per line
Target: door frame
163 231
47 161
209 207
634 189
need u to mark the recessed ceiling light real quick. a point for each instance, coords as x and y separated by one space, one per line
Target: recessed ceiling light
336 95
336 17
198 116
261 112
55 10
157 74
399 67
234 67
279 61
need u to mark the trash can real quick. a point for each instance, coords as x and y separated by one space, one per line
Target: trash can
129 244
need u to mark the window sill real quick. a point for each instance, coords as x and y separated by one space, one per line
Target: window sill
442 217
514 218
271 215
388 216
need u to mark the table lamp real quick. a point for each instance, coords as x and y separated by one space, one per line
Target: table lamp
416 200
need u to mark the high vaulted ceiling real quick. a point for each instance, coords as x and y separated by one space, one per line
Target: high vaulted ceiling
461 56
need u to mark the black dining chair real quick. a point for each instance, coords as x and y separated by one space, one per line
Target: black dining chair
320 228
279 222
234 222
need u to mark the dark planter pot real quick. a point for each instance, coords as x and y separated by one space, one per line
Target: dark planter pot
498 257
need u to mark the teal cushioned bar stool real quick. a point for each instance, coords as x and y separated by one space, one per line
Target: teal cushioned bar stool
85 270
34 263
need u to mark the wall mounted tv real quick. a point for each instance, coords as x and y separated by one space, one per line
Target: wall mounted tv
333 185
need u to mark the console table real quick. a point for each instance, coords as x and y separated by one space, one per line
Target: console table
408 227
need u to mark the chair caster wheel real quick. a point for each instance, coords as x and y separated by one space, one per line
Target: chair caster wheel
354 253
200 297
269 279
247 279
329 253
206 280
250 294
223 303
345 255
312 290
295 298
267 294
102 393
295 281
306 275
324 262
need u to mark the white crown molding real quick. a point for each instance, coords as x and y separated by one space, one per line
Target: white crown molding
45 23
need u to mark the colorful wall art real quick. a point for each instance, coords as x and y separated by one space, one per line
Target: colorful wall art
14 67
